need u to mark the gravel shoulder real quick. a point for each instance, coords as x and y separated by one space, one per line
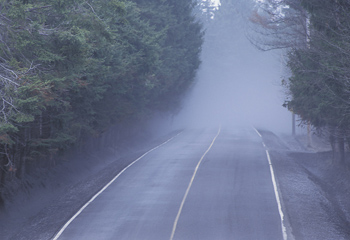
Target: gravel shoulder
314 191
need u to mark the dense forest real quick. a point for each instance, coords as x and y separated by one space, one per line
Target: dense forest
315 35
72 69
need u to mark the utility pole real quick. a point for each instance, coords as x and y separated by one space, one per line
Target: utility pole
293 124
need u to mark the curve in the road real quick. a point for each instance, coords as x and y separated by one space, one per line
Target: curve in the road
284 231
190 184
106 186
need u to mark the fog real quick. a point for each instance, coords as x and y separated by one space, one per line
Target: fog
236 84
244 91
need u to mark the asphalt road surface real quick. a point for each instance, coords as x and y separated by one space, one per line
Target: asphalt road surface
202 184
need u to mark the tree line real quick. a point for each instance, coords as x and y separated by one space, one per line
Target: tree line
71 69
315 35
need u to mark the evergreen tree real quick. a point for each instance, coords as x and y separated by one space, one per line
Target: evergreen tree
69 70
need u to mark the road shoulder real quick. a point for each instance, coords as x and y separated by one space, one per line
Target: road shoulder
314 192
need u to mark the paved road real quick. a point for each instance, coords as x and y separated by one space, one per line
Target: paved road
163 196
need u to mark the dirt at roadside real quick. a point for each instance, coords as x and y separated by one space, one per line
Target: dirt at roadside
44 207
315 192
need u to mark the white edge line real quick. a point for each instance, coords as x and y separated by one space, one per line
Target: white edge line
189 186
284 231
106 186
257 132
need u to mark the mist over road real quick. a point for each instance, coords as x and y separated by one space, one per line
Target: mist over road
203 184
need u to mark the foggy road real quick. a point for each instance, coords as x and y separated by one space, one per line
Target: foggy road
202 184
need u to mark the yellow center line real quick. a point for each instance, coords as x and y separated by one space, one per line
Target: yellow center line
189 186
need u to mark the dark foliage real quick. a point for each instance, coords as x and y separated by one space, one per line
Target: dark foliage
71 69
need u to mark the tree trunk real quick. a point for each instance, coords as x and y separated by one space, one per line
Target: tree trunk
20 173
332 141
309 142
341 145
2 182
